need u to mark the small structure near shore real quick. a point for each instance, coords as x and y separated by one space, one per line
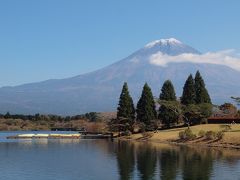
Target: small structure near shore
223 120
49 136
85 135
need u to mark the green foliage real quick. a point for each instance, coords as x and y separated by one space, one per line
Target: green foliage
168 92
205 110
202 95
201 133
210 135
92 116
120 124
192 114
139 127
169 112
125 155
197 113
146 111
189 95
7 115
187 134
125 106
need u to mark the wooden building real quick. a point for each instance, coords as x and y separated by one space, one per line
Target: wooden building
223 120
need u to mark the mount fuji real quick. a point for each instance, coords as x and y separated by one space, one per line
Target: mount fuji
99 90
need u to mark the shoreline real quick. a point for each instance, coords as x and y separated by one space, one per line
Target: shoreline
230 139
189 143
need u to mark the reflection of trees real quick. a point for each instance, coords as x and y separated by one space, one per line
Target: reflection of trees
168 160
174 161
196 164
125 159
146 161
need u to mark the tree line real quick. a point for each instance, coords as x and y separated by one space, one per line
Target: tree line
193 106
91 116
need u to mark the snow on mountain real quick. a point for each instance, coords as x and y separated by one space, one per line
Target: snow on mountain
160 42
99 90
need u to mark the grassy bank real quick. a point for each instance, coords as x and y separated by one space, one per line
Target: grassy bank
231 137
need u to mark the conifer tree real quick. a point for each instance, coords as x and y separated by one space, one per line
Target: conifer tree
125 106
168 92
189 95
146 106
168 110
202 95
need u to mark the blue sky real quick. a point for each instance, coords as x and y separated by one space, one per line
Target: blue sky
48 39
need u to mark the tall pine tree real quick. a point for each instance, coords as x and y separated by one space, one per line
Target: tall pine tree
146 111
202 95
168 92
189 94
168 110
125 106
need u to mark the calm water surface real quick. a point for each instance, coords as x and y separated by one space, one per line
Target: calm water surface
105 160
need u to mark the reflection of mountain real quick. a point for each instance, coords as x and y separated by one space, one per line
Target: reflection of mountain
99 90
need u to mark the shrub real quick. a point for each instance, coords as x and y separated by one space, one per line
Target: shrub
187 134
126 133
225 127
210 135
181 135
201 133
204 121
220 134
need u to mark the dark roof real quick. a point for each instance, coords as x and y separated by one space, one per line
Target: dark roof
224 118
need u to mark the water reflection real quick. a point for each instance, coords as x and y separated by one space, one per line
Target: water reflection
56 159
174 162
169 163
146 161
196 164
125 159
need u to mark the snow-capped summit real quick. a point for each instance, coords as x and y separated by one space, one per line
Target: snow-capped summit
99 90
169 46
163 42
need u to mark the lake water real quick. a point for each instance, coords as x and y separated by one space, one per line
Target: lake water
105 160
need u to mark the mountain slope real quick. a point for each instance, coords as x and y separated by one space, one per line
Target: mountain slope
99 90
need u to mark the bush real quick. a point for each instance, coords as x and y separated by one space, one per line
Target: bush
126 133
210 135
181 135
187 134
201 133
152 126
142 127
204 121
225 127
220 134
